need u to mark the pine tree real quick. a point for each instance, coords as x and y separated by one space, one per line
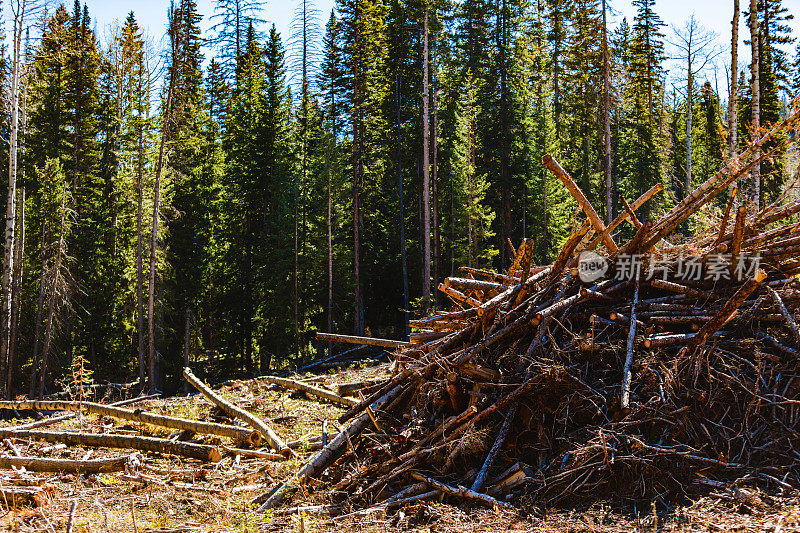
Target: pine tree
641 152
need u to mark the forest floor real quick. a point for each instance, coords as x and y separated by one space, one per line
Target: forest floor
170 494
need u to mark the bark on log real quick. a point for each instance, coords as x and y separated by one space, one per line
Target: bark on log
347 389
310 389
56 419
626 371
65 466
723 227
131 442
235 433
254 422
573 188
368 341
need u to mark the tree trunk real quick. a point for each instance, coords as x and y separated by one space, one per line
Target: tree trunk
186 351
401 200
16 287
426 186
330 242
437 244
154 241
505 152
756 104
39 308
140 335
11 205
607 122
358 319
733 92
689 104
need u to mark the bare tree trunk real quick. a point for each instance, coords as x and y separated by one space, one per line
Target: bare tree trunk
756 104
437 243
330 259
607 123
16 287
140 335
733 92
689 104
426 185
401 201
51 300
11 206
358 319
186 351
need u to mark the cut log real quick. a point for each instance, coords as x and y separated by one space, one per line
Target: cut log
131 442
56 419
622 217
255 422
368 341
310 389
554 167
66 466
347 389
235 433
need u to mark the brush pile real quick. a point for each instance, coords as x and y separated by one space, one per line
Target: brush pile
647 370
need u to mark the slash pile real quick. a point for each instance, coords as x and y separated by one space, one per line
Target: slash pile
540 384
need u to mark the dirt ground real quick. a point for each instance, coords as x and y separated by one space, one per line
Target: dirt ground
169 494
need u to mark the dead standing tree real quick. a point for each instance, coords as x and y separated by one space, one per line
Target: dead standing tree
21 11
697 48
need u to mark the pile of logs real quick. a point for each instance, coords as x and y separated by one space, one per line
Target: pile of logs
561 382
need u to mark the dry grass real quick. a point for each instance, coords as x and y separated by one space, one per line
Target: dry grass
186 495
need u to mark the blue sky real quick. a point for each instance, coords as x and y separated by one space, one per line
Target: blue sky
715 15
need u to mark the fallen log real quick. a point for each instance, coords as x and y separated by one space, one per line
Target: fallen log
255 422
347 389
201 452
368 341
310 389
56 419
235 433
66 466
